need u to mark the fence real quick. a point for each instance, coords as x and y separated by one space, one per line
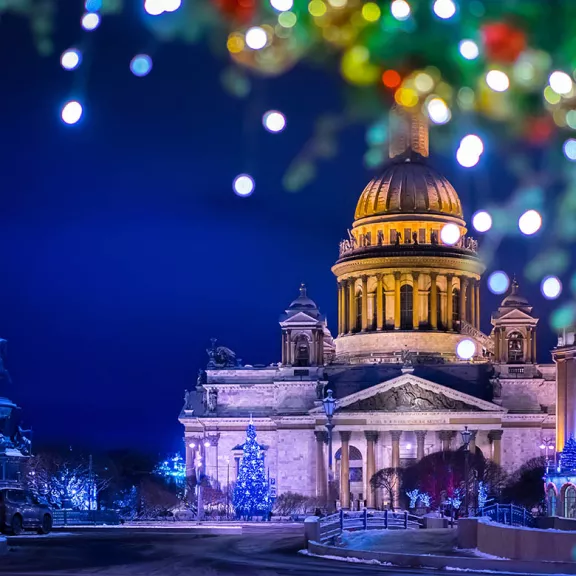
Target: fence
508 514
85 517
333 525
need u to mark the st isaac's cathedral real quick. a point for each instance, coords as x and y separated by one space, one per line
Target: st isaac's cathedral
405 301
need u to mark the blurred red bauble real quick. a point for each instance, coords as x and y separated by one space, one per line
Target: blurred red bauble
539 130
502 42
241 11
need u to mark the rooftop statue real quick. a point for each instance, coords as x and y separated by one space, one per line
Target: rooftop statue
221 357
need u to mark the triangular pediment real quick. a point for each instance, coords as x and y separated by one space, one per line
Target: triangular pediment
301 318
516 314
409 393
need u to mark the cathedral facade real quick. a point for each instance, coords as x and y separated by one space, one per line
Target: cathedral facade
406 300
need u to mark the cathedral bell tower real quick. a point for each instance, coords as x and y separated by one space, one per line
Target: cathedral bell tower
399 286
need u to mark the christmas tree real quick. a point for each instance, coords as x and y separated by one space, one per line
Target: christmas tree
568 456
251 497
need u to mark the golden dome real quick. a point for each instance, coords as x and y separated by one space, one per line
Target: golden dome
409 187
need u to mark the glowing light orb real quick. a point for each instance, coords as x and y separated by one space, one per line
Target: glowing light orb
93 5
171 5
256 38
243 185
141 65
423 82
71 59
317 8
482 221
450 234
287 19
466 349
498 282
466 158
274 121
438 111
560 82
530 222
497 80
90 21
569 148
400 9
469 49
473 144
371 12
154 7
444 9
282 5
71 112
551 287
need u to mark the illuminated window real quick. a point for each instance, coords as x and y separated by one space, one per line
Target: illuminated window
406 307
515 347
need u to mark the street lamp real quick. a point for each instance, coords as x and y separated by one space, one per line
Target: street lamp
466 437
546 446
200 467
329 404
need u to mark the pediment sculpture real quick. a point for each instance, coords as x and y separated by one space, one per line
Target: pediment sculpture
409 398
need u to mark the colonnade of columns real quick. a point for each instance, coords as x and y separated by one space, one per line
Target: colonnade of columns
501 335
351 319
446 437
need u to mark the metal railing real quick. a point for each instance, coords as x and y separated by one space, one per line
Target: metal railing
331 526
85 517
485 340
508 514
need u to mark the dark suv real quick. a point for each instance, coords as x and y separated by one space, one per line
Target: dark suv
20 510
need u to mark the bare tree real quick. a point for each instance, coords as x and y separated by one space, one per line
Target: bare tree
388 480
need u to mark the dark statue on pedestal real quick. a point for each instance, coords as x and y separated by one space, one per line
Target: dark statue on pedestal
221 357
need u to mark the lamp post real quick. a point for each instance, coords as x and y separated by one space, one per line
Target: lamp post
546 446
199 463
329 404
466 436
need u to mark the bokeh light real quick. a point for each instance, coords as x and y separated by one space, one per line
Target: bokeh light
444 9
498 282
469 49
497 80
530 222
141 65
317 8
560 82
71 112
423 82
438 111
90 21
256 38
450 234
274 121
93 5
466 158
282 5
569 148
551 287
482 221
154 7
466 349
473 144
371 12
71 59
243 185
171 5
400 9
391 79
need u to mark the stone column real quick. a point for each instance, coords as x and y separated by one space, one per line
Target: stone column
495 436
397 300
449 308
379 303
415 301
472 443
371 438
339 308
211 464
446 439
472 292
433 301
345 470
396 435
534 356
364 303
463 288
478 305
497 344
420 448
351 305
321 477
528 351
190 455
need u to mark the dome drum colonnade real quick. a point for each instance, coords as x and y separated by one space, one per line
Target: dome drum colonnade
418 283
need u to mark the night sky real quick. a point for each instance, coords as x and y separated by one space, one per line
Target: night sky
124 248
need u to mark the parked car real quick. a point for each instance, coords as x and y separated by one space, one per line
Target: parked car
20 510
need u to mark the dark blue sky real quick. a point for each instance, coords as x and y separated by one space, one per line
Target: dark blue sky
123 247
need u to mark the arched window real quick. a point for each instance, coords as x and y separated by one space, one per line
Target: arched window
455 305
406 307
302 351
438 307
551 500
570 501
515 347
359 310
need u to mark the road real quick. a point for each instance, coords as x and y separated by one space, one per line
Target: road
260 551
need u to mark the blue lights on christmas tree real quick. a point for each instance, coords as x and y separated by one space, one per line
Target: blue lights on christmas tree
568 456
173 469
251 496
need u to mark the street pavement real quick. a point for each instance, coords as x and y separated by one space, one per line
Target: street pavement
261 550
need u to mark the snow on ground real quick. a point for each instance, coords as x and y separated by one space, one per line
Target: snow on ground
351 560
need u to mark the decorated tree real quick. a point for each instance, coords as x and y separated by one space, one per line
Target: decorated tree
251 495
568 457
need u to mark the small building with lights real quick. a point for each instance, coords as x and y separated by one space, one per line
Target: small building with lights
409 366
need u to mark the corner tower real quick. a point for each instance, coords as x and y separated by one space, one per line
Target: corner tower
399 286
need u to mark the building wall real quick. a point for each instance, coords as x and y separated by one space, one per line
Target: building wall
520 445
296 461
